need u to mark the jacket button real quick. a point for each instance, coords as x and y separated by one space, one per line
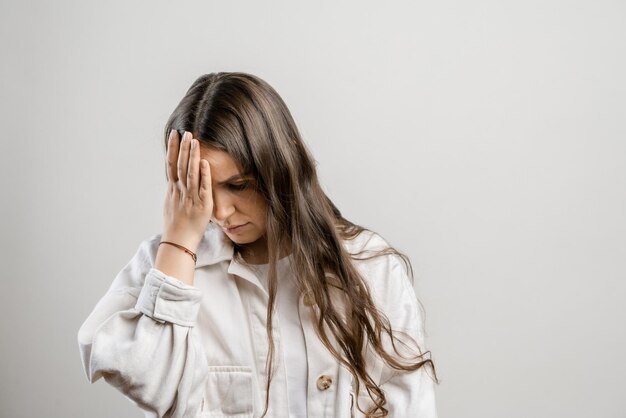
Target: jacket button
324 382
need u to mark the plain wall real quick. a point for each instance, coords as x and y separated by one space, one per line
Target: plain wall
485 139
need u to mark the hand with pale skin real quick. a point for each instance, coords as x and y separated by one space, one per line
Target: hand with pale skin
187 208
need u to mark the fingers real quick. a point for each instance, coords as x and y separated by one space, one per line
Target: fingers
183 160
193 175
205 192
172 156
184 168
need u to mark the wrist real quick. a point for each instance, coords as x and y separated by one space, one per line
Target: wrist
182 248
188 242
175 262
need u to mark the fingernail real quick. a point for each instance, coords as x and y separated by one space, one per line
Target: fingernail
172 134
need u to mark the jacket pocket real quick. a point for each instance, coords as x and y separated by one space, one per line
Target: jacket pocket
362 401
228 392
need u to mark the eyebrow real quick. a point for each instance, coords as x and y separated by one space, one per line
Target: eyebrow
231 178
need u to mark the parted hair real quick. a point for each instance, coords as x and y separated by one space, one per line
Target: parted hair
242 115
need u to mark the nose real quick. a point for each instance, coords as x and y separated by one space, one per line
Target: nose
223 207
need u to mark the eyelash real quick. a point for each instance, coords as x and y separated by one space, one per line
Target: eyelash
241 186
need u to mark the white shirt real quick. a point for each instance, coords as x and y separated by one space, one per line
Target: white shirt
292 338
182 351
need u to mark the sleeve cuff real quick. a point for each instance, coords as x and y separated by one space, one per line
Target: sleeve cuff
165 298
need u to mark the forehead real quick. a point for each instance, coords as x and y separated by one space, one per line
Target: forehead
221 163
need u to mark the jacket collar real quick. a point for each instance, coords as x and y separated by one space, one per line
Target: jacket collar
214 247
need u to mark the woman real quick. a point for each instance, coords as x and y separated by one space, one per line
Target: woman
189 328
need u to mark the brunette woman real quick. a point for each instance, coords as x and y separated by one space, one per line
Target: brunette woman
258 299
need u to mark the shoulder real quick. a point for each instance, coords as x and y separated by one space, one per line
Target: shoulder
365 241
148 248
386 277
133 273
366 248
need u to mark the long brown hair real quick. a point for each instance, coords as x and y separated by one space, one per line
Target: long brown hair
244 116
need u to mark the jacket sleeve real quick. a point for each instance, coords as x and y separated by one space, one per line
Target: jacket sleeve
409 394
140 338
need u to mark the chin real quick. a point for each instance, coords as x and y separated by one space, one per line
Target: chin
240 238
244 239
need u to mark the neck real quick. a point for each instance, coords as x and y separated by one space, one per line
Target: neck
256 252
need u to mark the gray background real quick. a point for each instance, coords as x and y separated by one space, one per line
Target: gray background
485 139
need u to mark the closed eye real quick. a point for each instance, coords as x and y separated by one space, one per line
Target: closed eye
240 186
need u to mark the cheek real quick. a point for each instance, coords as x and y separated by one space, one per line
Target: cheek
253 205
258 208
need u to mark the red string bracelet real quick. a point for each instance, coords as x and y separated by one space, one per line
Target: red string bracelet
182 248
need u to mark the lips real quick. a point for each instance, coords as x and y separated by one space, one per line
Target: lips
234 228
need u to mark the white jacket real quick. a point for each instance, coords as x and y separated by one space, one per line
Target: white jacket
177 350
